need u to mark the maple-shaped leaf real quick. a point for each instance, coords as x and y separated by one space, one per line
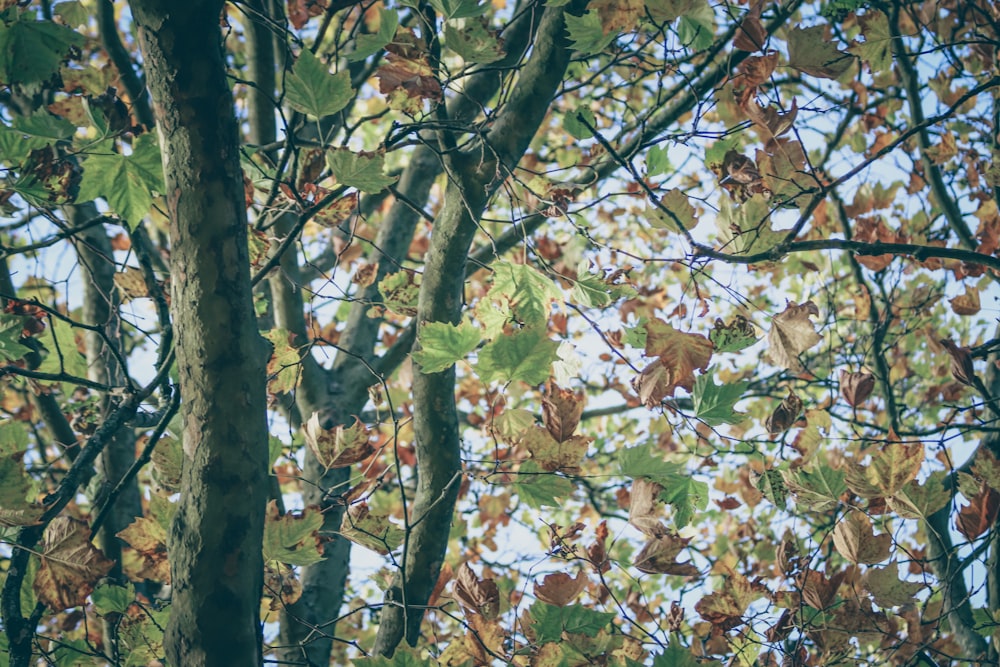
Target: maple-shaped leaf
894 465
725 608
480 596
340 446
148 539
459 9
281 587
539 488
372 43
818 590
552 454
372 530
442 344
745 229
474 42
980 514
886 587
549 622
659 556
283 368
876 50
675 212
15 485
293 538
559 588
586 33
400 291
677 655
70 565
680 354
364 171
810 52
529 292
407 78
561 410
126 182
714 403
32 51
738 335
856 541
311 89
919 501
526 354
817 488
792 333
110 598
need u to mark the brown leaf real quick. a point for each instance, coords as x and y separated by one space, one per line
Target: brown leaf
792 333
407 76
643 510
980 514
724 608
856 541
818 591
281 586
131 284
966 304
340 446
739 169
148 539
70 565
477 596
756 70
751 34
680 354
659 556
365 275
887 589
559 588
786 414
962 368
561 410
856 387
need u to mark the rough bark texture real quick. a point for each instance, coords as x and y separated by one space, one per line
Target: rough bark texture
215 548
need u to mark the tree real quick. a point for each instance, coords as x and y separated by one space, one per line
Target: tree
400 332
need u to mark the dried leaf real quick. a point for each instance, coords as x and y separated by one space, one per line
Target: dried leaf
70 565
961 365
966 304
131 284
148 538
340 446
792 333
479 596
559 588
644 507
980 514
659 556
786 414
856 387
561 410
751 34
887 589
856 541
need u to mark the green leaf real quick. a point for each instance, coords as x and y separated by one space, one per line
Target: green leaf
696 28
110 598
312 90
738 335
919 501
714 403
372 530
657 161
62 355
576 123
745 229
810 52
590 291
876 50
43 125
550 621
367 45
680 209
685 494
32 51
400 291
459 9
442 344
72 12
677 656
473 42
126 182
526 355
680 490
364 171
817 487
74 653
284 366
13 437
11 330
403 657
539 488
587 33
529 292
292 539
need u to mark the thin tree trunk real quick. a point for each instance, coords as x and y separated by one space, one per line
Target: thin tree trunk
215 546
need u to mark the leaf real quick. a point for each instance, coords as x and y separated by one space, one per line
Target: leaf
887 589
792 333
817 488
894 465
559 589
587 33
112 599
403 657
372 530
529 292
32 51
283 368
680 353
370 44
784 416
561 410
676 655
364 171
919 501
876 50
312 90
738 335
459 9
714 403
407 78
659 556
696 26
541 489
70 565
400 291
525 355
856 387
856 541
678 210
148 537
340 446
442 344
167 459
43 125
552 454
480 596
810 52
131 283
573 123
657 161
292 538
966 304
126 182
62 354
980 514
987 467
725 608
549 622
474 42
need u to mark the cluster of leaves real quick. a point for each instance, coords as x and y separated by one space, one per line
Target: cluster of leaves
647 477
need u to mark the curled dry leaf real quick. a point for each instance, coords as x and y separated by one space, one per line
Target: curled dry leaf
784 415
857 542
659 556
738 168
751 34
339 446
856 387
479 596
131 284
792 333
980 514
962 368
643 510
70 565
561 410
559 588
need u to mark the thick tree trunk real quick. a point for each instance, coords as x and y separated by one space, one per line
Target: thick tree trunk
215 548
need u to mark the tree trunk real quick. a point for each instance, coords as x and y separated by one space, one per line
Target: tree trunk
215 548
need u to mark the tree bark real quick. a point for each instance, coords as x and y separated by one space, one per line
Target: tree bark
215 544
